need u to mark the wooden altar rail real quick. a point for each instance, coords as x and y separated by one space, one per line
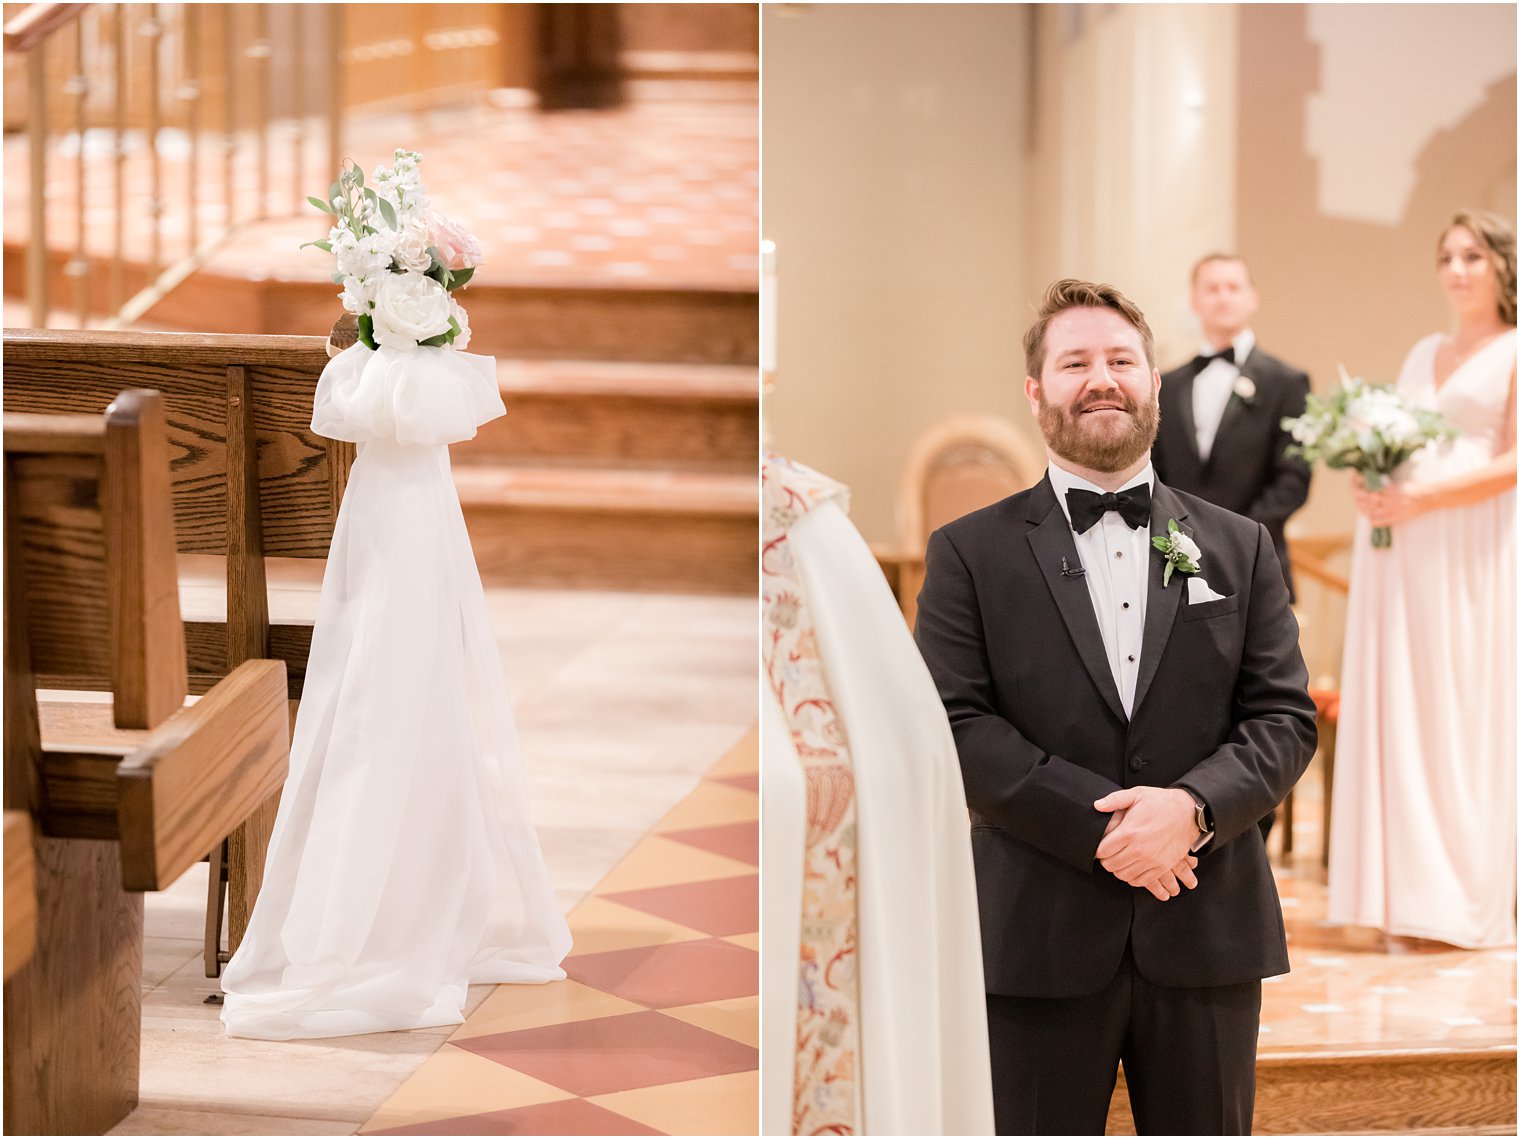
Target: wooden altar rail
135 792
250 480
208 72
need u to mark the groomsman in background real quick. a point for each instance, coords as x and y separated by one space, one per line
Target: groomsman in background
1221 413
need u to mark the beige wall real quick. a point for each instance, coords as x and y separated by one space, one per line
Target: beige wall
924 180
894 174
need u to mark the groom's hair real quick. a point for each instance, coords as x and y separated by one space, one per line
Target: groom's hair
1067 293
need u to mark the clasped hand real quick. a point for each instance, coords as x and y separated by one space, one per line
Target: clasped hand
1147 840
1389 506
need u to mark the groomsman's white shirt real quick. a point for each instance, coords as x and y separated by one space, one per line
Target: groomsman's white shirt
1117 564
1212 388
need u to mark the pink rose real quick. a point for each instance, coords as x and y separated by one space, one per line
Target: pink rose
457 247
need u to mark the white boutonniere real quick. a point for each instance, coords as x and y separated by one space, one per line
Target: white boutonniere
1245 389
1180 551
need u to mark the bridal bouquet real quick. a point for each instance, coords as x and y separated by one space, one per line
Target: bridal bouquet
1366 428
399 261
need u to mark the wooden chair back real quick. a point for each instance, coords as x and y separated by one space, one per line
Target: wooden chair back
959 465
90 556
250 479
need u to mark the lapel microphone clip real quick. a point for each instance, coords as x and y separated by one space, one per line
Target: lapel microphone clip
1067 571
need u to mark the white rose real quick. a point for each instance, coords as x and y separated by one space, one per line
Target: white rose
409 308
462 341
411 249
1186 547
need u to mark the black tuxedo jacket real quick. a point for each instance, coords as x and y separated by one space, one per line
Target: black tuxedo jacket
1221 706
1247 470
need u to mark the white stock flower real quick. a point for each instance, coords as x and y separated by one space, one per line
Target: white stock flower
363 257
409 308
358 295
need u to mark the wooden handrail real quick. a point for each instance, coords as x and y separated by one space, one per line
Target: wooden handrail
37 22
1314 567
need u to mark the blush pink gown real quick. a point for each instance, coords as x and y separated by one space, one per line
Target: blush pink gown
1422 838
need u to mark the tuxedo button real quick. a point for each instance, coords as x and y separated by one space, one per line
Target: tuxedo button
1131 658
1136 763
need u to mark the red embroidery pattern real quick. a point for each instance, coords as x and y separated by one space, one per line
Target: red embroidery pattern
826 1093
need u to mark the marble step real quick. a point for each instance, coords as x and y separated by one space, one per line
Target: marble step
629 415
662 531
699 322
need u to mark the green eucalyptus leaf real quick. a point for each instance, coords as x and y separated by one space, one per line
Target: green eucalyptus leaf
320 204
358 175
388 212
335 191
337 278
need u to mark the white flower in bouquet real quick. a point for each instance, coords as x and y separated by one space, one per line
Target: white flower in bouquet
358 295
401 184
411 253
410 308
1370 430
461 318
398 261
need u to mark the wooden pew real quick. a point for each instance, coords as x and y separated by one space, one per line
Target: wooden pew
250 480
125 796
20 892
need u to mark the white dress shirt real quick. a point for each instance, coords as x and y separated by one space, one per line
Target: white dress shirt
1117 562
1212 388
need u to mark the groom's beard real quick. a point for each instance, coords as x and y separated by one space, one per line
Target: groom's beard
1099 444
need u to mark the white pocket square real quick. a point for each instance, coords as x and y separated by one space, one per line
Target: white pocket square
1199 591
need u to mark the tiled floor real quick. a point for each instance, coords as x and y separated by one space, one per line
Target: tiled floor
664 194
656 1030
622 702
1354 989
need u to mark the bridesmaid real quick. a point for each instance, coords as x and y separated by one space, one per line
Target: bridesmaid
1423 827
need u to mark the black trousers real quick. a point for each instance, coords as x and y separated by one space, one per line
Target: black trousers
1189 1058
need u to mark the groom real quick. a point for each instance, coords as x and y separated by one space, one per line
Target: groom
1115 733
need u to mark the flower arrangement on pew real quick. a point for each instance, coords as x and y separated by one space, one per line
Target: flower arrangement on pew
1367 428
398 260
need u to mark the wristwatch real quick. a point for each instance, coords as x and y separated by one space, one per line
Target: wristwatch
1200 819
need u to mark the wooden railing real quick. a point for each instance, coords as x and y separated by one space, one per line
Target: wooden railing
165 114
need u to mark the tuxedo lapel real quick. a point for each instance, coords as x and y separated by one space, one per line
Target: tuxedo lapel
1184 407
1161 602
1051 542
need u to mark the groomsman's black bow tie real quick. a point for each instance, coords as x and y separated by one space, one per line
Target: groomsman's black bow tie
1202 362
1087 507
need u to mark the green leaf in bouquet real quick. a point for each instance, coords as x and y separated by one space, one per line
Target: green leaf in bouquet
358 176
320 204
461 278
337 278
325 246
388 212
443 337
335 191
367 332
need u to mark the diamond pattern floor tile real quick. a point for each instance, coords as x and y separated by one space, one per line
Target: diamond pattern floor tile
668 975
681 1109
565 1117
616 1053
732 840
721 907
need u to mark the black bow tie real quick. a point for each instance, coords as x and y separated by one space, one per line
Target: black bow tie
1202 362
1087 507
